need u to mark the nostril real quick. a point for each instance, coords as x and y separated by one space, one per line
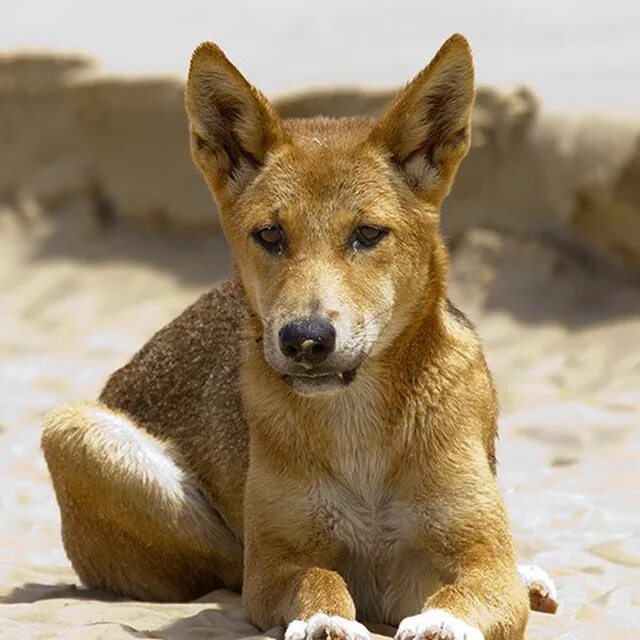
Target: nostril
289 350
317 351
318 348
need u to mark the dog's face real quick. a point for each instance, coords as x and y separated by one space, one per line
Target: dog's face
327 253
333 224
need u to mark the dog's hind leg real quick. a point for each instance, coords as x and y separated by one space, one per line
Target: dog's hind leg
133 519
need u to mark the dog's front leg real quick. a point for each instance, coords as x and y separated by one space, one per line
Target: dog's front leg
482 597
313 603
288 580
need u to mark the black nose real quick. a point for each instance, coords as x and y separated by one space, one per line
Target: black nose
309 340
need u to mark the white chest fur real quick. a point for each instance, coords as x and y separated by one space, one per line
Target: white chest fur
386 574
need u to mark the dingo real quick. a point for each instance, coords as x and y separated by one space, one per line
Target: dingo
320 430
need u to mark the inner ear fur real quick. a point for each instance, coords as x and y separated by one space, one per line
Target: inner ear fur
232 125
427 128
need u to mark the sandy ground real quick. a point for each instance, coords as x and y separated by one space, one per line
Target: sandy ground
562 337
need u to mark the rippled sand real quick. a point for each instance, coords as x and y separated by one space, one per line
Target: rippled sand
562 338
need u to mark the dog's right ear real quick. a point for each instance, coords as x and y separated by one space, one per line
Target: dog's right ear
232 125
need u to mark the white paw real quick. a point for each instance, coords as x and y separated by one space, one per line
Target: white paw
537 579
436 624
542 590
296 630
323 627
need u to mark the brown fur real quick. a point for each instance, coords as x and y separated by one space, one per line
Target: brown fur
201 467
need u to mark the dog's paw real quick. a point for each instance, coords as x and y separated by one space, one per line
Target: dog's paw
543 595
323 627
436 624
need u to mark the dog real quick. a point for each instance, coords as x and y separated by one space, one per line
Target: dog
319 431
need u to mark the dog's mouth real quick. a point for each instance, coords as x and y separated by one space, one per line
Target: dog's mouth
309 383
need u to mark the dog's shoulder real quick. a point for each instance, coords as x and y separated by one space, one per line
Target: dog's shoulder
475 387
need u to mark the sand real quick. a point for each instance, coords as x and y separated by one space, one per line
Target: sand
562 337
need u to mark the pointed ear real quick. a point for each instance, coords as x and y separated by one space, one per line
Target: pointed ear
232 125
427 129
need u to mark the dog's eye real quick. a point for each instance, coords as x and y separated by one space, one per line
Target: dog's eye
271 238
366 236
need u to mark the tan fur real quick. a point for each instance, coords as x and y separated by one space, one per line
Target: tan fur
199 463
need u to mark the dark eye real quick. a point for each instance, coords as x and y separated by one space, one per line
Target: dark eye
366 236
271 238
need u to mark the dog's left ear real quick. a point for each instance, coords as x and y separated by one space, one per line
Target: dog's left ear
233 127
427 129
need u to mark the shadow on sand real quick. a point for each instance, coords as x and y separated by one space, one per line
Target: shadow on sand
197 257
31 592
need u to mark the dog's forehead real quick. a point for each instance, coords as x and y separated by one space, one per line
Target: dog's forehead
327 160
335 133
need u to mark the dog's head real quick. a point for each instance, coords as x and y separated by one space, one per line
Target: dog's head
333 224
